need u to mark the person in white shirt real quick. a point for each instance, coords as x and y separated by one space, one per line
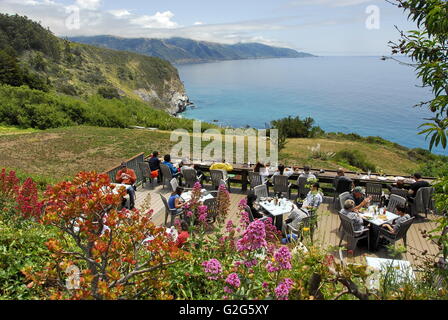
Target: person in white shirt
262 170
306 173
314 198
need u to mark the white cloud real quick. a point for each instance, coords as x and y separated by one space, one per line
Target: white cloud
88 4
93 21
159 20
120 13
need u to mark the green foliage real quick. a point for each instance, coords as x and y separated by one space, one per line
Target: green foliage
356 159
109 93
21 247
13 74
27 108
296 128
21 34
428 49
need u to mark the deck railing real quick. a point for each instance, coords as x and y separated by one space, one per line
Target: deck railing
132 163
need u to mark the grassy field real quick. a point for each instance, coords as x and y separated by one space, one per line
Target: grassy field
56 154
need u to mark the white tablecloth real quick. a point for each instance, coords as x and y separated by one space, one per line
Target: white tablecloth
187 196
277 210
390 217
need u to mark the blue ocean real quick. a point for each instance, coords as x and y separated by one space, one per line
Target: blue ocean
364 95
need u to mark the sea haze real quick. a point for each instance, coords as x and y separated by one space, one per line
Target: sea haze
364 95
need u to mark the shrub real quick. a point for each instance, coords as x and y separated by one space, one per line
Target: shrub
296 128
355 158
109 93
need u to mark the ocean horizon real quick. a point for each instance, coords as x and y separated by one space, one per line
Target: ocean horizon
350 94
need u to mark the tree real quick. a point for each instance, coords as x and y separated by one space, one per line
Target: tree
105 253
428 49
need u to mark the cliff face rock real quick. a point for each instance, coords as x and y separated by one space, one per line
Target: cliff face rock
173 97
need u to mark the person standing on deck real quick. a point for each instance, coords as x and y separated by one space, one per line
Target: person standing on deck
127 177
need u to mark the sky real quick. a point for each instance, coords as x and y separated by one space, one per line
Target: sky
320 27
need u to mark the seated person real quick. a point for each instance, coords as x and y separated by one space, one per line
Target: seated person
349 211
397 185
251 198
283 171
154 165
358 197
419 183
127 177
200 174
175 201
306 174
401 211
183 235
340 175
263 171
173 169
314 198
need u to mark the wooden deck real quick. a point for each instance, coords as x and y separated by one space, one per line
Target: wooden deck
326 235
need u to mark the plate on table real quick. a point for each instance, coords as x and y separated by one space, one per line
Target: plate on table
382 178
382 217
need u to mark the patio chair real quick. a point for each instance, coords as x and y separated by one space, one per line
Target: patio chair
145 171
342 198
302 187
169 212
190 176
297 231
423 202
282 185
399 192
352 235
374 190
342 185
249 211
217 176
261 191
166 174
212 209
394 200
255 179
394 237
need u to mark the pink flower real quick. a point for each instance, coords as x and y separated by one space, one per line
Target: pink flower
189 214
233 280
251 263
282 290
253 238
202 213
212 267
229 226
283 258
227 290
265 285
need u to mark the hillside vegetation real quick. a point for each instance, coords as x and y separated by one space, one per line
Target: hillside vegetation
181 50
34 56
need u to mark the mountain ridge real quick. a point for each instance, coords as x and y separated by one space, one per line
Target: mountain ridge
178 50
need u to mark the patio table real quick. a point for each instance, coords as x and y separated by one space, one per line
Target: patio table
277 211
376 221
186 196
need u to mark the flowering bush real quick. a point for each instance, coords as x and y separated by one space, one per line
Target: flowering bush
114 250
